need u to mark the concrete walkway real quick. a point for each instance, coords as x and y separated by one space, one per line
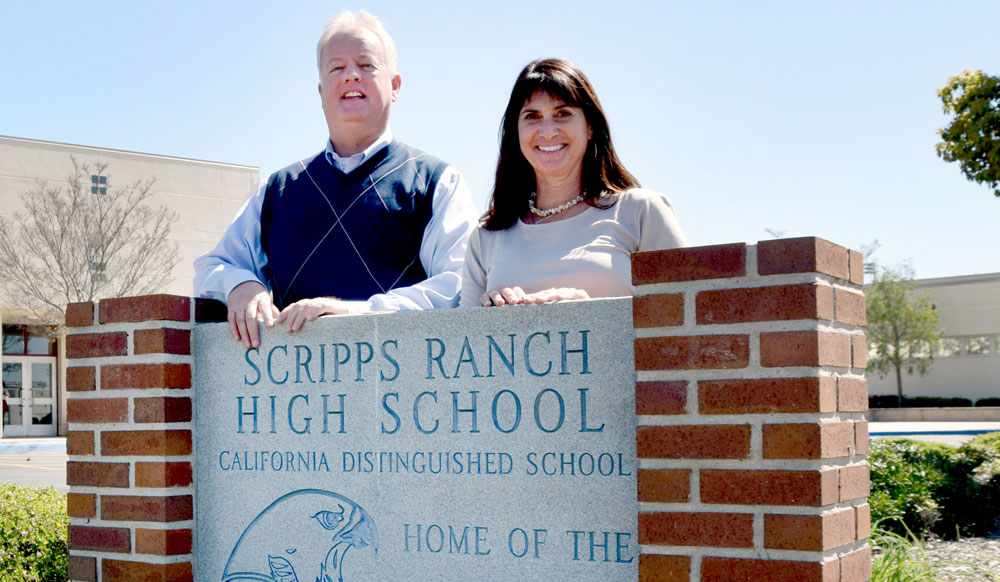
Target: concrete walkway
952 433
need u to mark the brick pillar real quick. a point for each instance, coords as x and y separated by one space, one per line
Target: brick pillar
129 440
750 393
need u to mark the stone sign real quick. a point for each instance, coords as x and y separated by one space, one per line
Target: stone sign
482 444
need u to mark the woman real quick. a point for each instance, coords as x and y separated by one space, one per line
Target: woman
565 215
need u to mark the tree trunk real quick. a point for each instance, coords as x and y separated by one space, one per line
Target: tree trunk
899 387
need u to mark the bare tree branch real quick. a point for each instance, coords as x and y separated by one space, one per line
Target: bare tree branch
72 244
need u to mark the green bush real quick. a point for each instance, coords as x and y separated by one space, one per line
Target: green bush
33 525
935 488
973 492
988 402
936 402
906 476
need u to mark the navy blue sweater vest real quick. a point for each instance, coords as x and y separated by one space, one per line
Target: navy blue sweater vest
330 234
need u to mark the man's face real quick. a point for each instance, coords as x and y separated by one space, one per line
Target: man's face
357 88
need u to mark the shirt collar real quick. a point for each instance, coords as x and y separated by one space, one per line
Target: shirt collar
348 164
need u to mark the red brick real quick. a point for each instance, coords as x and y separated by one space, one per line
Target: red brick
859 351
160 409
89 474
100 539
81 505
210 311
697 352
778 303
850 307
801 255
805 348
658 310
163 542
661 568
163 474
145 308
96 345
82 569
725 441
80 378
861 438
80 314
748 569
104 410
765 487
660 397
856 566
122 571
80 442
134 376
856 265
852 394
146 442
717 530
664 485
855 482
138 508
766 395
828 440
814 533
162 341
689 264
863 518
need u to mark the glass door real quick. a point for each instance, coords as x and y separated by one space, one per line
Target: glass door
13 403
29 407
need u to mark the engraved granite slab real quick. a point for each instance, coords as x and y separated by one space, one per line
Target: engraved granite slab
480 444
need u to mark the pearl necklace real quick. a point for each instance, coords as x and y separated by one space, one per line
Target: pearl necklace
551 211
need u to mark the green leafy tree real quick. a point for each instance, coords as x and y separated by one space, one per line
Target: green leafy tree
903 329
972 138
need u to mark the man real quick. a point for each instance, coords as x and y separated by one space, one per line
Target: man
369 224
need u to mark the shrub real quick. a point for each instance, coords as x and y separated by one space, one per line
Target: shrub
905 478
33 525
936 402
988 402
935 488
883 401
972 493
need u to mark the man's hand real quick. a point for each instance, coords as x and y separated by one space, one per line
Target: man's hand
305 310
249 302
516 296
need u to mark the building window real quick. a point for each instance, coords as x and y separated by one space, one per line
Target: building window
99 185
99 270
949 346
28 340
978 345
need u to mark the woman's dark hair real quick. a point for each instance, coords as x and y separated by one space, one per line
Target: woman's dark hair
515 178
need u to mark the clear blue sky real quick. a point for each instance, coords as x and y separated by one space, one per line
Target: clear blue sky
809 118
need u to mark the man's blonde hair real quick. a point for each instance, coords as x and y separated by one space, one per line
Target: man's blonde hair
348 21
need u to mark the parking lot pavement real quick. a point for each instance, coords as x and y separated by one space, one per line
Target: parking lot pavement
37 469
36 462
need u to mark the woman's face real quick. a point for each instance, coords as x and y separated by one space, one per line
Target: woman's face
553 137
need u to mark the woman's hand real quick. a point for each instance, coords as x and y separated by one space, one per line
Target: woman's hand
516 296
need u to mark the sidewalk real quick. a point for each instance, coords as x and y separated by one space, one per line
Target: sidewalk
13 446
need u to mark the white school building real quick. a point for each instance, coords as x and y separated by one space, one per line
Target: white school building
204 194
